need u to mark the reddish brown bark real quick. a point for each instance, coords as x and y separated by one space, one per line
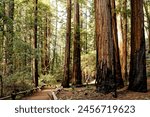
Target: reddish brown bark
105 79
77 80
119 80
66 78
137 77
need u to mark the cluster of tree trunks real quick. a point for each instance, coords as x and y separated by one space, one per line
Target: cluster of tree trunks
76 74
108 66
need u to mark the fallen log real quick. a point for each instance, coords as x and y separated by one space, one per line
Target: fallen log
52 94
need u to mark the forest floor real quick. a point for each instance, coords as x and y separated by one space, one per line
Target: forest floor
89 93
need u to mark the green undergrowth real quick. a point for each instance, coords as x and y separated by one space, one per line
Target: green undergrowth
88 62
19 81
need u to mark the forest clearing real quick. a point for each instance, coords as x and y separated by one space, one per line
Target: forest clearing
75 50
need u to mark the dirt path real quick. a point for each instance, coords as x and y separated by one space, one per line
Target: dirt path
40 95
89 93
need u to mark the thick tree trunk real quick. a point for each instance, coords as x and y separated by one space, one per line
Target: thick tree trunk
137 77
119 80
105 79
77 80
66 79
35 44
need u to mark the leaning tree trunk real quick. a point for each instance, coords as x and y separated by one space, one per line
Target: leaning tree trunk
137 78
119 80
77 80
65 82
105 79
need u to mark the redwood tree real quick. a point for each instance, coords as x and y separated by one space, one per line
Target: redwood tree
66 78
137 76
119 80
105 79
123 19
76 42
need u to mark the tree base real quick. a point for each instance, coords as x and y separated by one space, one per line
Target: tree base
105 81
137 89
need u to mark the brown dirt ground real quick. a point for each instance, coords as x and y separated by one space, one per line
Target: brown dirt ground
89 93
40 95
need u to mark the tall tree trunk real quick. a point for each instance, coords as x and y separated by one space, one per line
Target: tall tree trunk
4 40
44 57
66 79
35 43
137 77
2 6
77 80
105 78
49 45
42 48
46 60
54 60
9 37
119 80
124 37
86 26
